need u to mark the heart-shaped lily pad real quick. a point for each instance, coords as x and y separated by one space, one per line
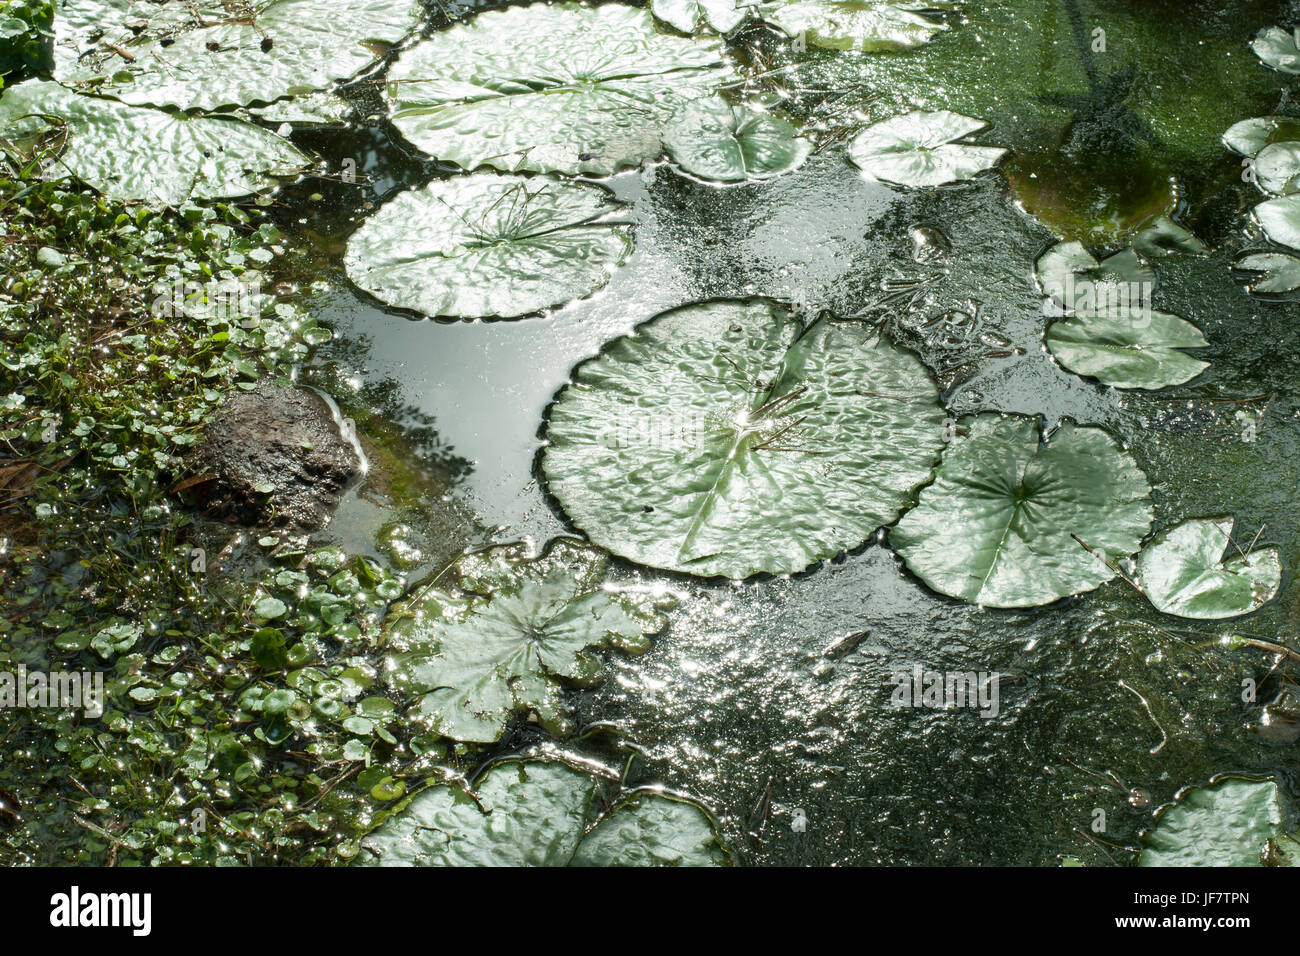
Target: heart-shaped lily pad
921 149
528 812
1183 572
1251 135
205 56
1233 823
1164 237
996 525
1128 348
727 438
1277 168
1076 282
1278 48
551 88
723 143
1280 220
508 633
866 25
1276 272
489 245
720 16
133 152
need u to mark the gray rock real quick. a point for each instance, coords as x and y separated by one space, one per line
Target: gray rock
273 456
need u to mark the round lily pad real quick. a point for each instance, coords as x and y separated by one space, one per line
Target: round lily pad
1277 168
1128 348
1250 136
543 813
867 25
723 143
720 16
1275 272
1233 823
997 526
1278 48
1184 572
1077 282
489 245
727 438
549 88
921 149
1280 220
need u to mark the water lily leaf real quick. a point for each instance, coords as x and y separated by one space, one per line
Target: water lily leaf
995 526
310 109
1164 237
1128 348
132 152
720 16
508 635
589 91
1182 572
725 439
489 245
921 149
1280 220
867 25
1233 823
205 58
1277 168
1250 136
1277 272
1278 49
1075 281
723 143
543 813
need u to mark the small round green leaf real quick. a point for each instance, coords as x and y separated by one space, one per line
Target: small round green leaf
921 149
1229 824
1129 348
723 143
1183 572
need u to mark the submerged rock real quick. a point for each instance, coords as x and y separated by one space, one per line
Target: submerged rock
274 456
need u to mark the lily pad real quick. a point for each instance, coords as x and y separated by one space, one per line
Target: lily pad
1183 572
207 57
1164 237
589 90
543 813
133 152
1128 348
1277 168
866 25
1075 281
726 438
1249 136
1276 272
688 16
1233 823
509 634
723 143
995 526
1278 48
921 149
310 110
1280 220
489 245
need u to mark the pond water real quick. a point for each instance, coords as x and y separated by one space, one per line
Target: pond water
770 699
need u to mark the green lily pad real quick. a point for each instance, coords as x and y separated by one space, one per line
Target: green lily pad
689 16
489 245
1276 272
725 438
995 526
1249 136
1277 168
307 110
213 57
1233 823
1075 281
1280 220
543 813
921 149
723 143
132 152
1183 572
1278 49
1128 348
866 25
589 90
509 635
1164 237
